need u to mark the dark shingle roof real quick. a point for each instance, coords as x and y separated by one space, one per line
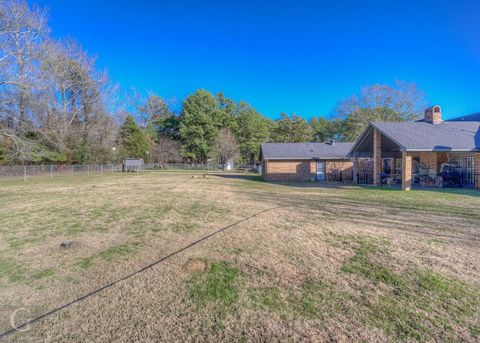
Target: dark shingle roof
449 135
305 151
470 117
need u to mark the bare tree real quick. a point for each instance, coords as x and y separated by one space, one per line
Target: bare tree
402 101
54 103
148 108
225 146
22 31
403 98
74 96
166 150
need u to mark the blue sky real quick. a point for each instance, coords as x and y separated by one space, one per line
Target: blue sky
282 56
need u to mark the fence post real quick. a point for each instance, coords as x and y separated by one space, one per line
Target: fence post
72 170
101 169
24 173
88 170
51 172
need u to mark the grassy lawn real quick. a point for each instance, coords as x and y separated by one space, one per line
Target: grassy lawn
328 263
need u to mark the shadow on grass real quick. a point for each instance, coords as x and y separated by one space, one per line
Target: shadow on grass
382 189
457 191
249 177
340 185
296 184
323 184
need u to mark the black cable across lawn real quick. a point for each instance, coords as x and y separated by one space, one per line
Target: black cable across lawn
88 295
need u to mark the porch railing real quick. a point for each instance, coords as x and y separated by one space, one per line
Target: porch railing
341 176
364 178
431 180
445 180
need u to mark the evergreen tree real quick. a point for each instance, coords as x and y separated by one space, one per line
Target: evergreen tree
198 126
2 154
81 154
325 130
225 114
252 130
291 130
134 141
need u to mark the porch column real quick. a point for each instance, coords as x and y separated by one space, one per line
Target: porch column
377 157
313 170
354 170
477 170
406 171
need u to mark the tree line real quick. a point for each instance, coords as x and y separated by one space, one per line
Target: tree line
57 107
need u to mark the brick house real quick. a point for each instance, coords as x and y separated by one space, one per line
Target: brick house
427 153
306 161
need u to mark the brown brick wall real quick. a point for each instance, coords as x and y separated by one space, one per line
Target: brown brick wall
292 170
477 169
377 157
433 115
428 158
289 170
406 170
442 157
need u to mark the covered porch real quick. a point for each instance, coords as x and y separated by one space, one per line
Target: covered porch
381 161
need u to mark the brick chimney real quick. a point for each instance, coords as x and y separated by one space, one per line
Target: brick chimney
433 115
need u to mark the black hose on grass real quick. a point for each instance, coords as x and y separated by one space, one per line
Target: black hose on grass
88 295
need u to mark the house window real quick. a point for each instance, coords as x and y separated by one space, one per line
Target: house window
398 166
469 169
456 160
416 163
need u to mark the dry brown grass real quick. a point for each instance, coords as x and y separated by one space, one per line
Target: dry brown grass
333 264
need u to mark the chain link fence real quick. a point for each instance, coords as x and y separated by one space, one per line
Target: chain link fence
195 166
57 171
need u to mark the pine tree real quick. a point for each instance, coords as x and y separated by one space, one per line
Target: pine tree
251 131
198 125
134 141
291 130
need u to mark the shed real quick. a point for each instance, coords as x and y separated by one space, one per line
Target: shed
228 165
132 164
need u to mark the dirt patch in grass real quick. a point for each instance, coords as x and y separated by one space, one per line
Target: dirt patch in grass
196 265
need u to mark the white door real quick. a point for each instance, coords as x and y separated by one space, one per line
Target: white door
320 170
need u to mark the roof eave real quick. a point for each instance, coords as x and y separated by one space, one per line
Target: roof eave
359 140
307 158
442 150
402 147
363 136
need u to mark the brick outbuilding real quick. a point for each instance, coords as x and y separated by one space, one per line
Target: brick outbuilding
306 161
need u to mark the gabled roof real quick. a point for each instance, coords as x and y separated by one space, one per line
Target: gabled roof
422 136
306 151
